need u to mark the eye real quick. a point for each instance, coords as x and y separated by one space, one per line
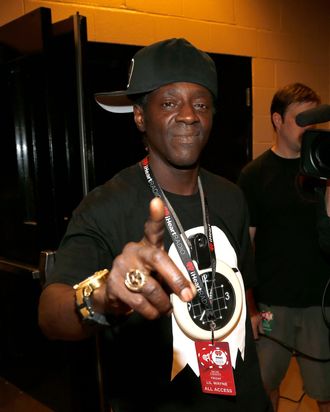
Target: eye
168 104
201 107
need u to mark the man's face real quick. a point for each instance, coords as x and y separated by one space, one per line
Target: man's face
289 133
176 121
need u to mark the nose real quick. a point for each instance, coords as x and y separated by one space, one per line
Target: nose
187 114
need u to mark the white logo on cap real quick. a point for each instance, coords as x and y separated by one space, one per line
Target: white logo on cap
130 72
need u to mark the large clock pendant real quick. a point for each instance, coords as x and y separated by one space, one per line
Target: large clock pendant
227 305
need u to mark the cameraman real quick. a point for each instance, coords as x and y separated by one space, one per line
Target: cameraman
291 267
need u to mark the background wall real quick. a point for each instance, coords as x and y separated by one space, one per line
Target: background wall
289 40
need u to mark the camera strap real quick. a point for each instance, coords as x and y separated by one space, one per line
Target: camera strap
175 229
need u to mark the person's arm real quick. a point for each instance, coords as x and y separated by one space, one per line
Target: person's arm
253 312
323 223
246 181
58 317
327 198
252 307
252 232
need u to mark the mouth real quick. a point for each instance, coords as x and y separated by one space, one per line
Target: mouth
186 138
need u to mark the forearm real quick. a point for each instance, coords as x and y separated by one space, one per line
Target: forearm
58 318
327 198
323 224
253 312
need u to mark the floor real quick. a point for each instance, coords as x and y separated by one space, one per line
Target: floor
14 400
291 393
292 399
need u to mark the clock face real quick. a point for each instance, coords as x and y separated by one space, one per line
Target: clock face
227 305
223 302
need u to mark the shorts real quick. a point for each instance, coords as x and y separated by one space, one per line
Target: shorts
304 330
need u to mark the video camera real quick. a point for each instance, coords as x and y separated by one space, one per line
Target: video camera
315 145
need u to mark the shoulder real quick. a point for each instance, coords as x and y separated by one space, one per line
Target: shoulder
218 183
128 178
254 172
222 192
257 164
120 192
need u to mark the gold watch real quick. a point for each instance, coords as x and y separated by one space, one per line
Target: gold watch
84 292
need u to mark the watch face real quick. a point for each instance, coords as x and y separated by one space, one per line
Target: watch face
227 305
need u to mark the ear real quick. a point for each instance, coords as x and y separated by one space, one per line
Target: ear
277 119
139 118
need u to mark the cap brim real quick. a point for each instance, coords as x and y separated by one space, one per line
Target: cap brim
115 102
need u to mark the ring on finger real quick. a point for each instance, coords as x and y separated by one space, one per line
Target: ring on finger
135 280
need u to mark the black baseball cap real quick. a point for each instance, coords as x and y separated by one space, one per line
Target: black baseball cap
161 63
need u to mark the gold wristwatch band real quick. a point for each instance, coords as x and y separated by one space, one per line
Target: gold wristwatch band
84 292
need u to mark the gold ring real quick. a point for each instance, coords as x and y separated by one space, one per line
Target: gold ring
135 280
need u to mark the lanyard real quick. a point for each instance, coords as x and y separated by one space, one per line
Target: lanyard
175 229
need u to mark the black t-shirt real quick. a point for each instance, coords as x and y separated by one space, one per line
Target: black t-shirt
137 355
291 268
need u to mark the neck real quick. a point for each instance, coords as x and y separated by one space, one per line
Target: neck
285 152
174 180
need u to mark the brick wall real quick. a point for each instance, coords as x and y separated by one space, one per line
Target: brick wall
289 40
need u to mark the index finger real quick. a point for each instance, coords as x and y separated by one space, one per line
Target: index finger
159 261
155 225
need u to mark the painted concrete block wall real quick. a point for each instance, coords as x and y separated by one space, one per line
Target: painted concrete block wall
288 40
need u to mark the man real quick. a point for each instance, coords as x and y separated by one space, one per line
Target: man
157 290
292 271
